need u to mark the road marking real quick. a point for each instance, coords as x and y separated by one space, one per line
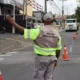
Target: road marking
6 55
1 59
70 49
11 52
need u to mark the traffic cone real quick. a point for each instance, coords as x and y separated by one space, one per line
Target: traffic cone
0 76
74 36
65 56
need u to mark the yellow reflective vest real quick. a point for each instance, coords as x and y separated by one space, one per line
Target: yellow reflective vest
33 34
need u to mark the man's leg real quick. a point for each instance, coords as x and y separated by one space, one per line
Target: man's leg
40 68
49 71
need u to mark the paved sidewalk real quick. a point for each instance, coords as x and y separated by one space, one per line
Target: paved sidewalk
13 42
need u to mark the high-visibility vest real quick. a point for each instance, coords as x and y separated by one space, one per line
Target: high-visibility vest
34 35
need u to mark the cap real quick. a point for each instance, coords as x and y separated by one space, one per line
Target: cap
48 17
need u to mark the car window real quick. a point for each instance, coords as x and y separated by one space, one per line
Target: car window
71 21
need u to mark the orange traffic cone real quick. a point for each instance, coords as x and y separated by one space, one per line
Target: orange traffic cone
0 76
65 54
74 36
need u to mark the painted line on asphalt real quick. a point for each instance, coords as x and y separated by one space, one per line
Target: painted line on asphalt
11 53
1 59
71 48
5 55
8 54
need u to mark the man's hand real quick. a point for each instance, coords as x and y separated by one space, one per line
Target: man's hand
10 19
55 64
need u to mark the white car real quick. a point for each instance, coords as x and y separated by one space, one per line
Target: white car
71 24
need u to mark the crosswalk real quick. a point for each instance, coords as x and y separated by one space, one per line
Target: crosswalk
2 56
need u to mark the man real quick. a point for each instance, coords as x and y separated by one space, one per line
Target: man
47 46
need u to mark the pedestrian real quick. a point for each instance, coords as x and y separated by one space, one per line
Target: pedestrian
47 46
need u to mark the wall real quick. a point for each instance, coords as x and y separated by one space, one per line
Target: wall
29 10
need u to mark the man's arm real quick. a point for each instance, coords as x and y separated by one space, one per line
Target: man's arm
58 49
57 55
11 20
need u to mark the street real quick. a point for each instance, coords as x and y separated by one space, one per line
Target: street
19 65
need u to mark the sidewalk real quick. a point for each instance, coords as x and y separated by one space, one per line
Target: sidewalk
13 42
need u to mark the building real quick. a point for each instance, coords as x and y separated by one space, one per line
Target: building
27 8
15 8
6 7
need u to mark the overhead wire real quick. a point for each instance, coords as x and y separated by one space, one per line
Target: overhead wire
53 4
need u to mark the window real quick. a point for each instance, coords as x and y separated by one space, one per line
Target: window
71 21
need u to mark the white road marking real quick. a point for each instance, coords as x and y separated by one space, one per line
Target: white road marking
6 55
70 49
11 52
1 59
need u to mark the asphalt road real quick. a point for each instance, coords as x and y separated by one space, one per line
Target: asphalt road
20 65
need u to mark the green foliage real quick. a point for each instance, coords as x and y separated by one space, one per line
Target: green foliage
78 14
71 16
78 0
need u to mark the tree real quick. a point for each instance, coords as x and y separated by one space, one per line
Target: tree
78 14
71 16
78 0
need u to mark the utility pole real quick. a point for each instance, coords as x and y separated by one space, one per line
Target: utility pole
13 28
45 6
26 11
45 3
67 12
62 10
23 9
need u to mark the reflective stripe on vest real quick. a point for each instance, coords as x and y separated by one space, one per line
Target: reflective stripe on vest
31 33
28 34
45 51
48 51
